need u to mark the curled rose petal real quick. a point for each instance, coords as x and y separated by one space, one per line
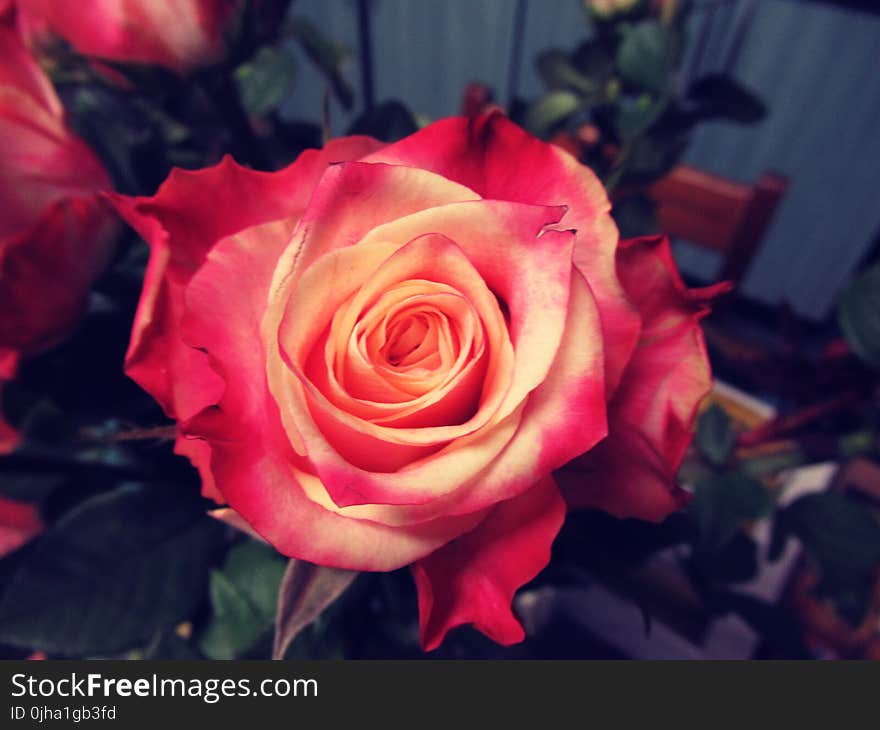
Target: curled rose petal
632 474
181 223
472 580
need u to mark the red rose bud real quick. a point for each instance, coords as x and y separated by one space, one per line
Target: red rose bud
380 355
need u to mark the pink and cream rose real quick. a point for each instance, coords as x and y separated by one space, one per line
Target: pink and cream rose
381 355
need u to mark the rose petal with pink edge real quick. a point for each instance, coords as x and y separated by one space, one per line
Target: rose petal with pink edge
652 414
352 199
624 476
199 454
669 373
473 579
563 418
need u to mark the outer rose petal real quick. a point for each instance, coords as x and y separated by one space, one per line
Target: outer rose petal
624 476
472 580
55 235
498 160
46 271
9 437
250 457
178 34
199 454
187 216
19 522
21 76
42 163
632 474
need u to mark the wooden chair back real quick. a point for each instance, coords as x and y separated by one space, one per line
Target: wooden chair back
718 214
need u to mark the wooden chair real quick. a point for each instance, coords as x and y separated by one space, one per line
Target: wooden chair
718 214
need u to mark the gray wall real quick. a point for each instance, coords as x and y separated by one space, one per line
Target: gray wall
816 64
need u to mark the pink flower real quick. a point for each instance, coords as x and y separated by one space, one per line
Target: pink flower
380 355
55 234
181 35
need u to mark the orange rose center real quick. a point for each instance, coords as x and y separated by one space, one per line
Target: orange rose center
415 337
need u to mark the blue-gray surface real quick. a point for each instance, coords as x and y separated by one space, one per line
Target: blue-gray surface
817 65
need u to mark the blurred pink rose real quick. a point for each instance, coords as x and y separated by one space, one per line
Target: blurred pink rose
55 234
181 35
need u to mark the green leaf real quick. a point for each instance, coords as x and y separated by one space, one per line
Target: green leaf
236 623
558 72
266 80
858 312
648 55
550 111
718 96
256 569
243 599
715 435
328 56
844 539
720 506
110 574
